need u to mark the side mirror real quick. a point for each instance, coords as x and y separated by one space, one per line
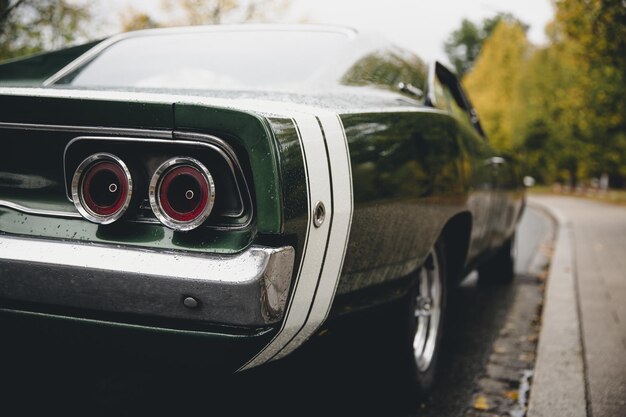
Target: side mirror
440 77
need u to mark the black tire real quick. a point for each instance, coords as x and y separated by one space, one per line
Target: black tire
500 268
420 371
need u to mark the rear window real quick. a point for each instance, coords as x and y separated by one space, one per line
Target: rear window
242 60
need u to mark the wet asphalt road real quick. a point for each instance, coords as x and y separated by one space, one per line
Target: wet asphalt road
338 373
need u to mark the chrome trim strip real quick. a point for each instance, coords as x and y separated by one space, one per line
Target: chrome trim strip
39 212
249 288
160 134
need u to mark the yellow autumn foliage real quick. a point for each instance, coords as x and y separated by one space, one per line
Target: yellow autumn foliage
560 107
493 82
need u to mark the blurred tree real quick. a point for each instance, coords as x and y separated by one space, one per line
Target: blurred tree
596 29
562 105
203 12
464 44
493 82
552 118
199 12
29 26
490 23
133 19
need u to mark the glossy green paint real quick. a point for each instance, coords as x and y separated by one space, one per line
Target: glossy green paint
295 203
412 172
476 151
293 178
252 135
408 180
153 236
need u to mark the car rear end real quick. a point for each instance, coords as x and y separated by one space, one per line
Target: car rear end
143 213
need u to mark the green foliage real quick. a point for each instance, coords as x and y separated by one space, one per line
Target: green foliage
561 106
29 26
596 29
464 44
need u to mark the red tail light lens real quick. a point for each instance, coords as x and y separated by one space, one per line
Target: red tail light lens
102 188
182 193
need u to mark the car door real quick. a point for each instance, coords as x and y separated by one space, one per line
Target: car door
508 198
485 165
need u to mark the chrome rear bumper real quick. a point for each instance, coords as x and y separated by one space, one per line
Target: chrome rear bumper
246 289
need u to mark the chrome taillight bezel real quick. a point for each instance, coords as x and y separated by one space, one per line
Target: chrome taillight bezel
77 188
154 193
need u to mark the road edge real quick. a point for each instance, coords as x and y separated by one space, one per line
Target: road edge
559 381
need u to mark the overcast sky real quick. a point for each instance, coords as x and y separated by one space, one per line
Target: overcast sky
419 25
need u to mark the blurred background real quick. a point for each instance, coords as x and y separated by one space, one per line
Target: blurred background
548 77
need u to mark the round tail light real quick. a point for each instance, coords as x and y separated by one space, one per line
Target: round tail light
182 193
102 188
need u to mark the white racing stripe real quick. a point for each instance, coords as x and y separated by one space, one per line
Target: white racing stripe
341 177
329 177
319 189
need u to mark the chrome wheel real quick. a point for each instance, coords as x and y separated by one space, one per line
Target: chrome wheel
427 312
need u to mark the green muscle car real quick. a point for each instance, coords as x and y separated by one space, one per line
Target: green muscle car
237 188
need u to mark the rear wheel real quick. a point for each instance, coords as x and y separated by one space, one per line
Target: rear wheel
500 268
419 338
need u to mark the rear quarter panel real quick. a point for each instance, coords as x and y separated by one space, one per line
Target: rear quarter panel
409 178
